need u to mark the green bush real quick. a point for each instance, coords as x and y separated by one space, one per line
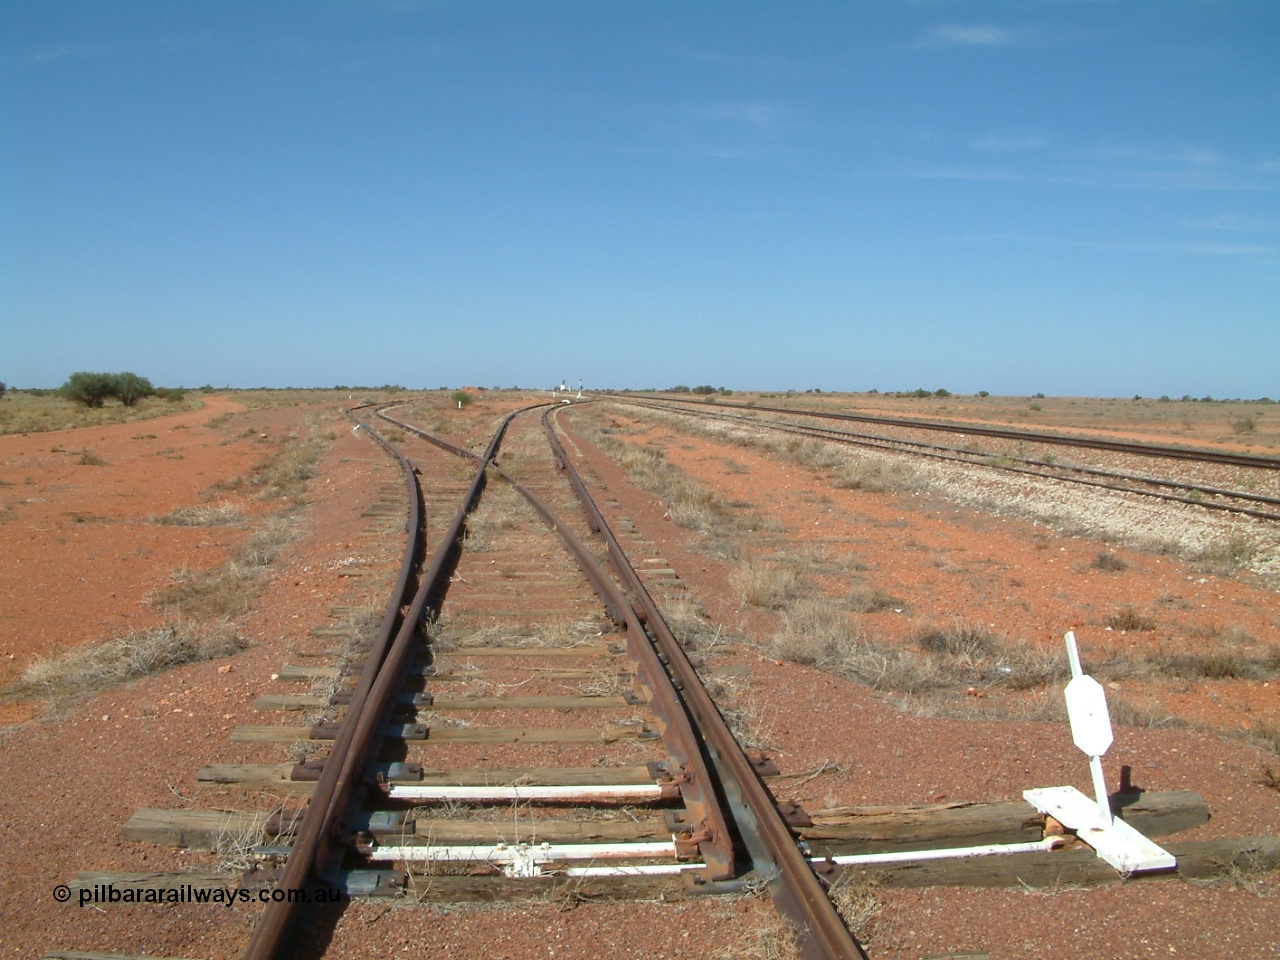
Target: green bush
461 398
91 389
129 388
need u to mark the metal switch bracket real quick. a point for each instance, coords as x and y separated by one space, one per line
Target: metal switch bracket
1116 842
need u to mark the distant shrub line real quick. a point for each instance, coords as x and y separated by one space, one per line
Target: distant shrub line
94 389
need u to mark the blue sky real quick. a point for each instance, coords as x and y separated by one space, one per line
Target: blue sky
1067 197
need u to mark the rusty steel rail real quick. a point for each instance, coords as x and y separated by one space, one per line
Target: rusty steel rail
709 828
1033 468
795 888
322 836
1096 443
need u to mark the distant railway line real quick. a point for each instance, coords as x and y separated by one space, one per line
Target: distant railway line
1241 502
1006 433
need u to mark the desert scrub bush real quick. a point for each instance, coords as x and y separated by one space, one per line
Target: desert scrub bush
229 590
966 642
129 388
1128 618
814 632
971 653
89 389
1109 562
1216 665
763 584
85 670
461 398
691 625
283 473
1226 554
875 475
202 515
93 389
863 598
90 459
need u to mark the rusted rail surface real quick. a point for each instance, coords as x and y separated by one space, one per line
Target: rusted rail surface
794 886
710 827
1097 443
728 807
321 837
1195 493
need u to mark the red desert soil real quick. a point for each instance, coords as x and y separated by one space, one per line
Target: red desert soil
139 746
82 556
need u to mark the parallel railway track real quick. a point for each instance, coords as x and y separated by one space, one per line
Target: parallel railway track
1006 433
1240 502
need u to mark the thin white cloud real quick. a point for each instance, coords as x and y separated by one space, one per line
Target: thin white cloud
1177 247
1234 223
759 116
1010 143
972 35
53 54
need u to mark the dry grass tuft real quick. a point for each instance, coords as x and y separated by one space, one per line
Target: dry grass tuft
202 515
691 625
815 632
875 474
763 584
1130 619
1217 665
1109 562
1266 734
970 643
1138 713
234 847
1227 554
818 633
858 901
501 510
83 671
228 591
689 504
769 938
862 598
283 473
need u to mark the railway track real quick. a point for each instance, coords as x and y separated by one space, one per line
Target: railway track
1210 497
505 653
1005 433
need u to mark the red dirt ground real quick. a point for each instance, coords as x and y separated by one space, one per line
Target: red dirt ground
84 527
